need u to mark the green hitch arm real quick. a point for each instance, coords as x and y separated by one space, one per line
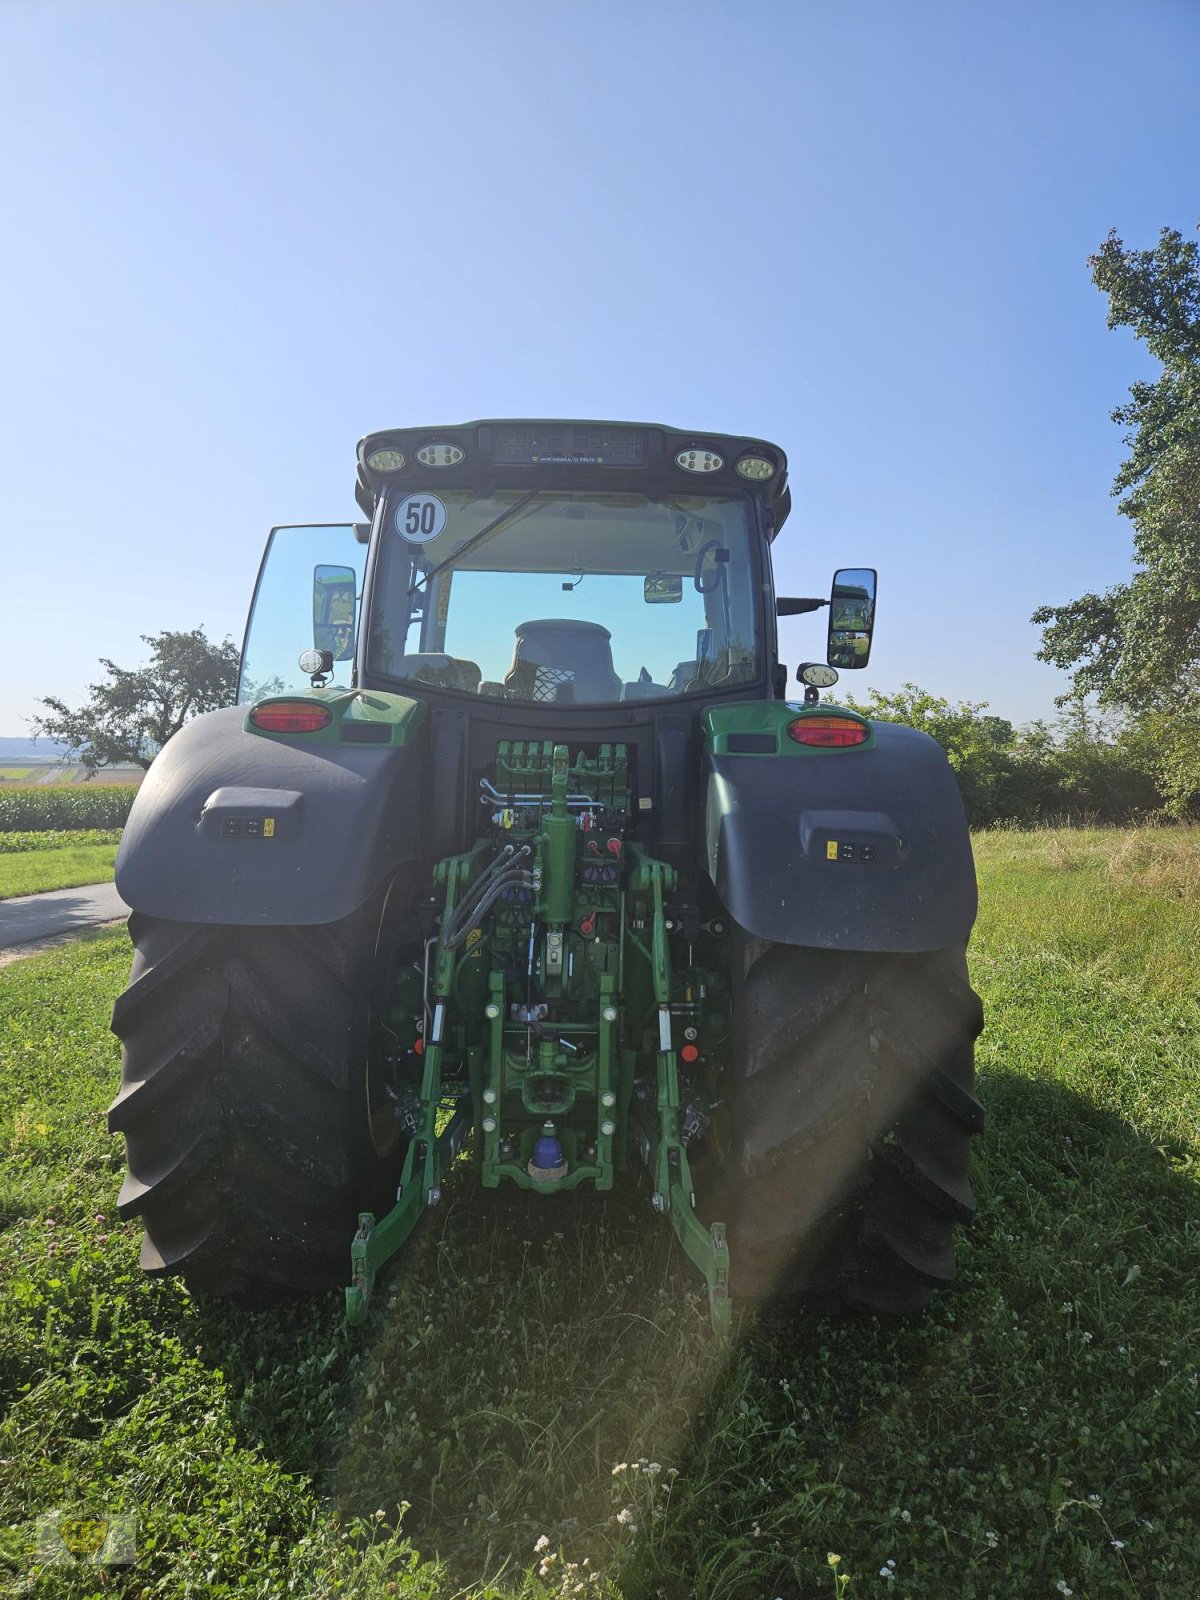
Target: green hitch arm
429 1153
705 1247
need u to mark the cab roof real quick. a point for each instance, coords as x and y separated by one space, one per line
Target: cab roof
573 453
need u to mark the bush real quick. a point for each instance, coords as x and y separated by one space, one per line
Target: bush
44 808
14 844
1080 768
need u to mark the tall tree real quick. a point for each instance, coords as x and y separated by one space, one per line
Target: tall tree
1137 646
127 718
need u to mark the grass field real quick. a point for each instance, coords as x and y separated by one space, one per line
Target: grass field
32 862
545 1372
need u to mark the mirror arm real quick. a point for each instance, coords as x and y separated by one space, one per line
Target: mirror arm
790 607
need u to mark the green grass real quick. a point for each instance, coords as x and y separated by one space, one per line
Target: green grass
529 1365
32 862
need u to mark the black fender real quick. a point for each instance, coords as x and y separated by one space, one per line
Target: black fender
231 826
857 849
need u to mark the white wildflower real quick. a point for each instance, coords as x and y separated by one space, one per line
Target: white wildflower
542 1544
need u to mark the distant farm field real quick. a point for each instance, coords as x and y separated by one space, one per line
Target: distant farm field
59 774
536 1409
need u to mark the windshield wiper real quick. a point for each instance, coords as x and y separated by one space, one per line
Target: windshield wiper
478 538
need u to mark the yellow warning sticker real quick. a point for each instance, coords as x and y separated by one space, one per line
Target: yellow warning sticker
831 849
268 827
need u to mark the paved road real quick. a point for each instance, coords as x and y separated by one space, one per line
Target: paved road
35 919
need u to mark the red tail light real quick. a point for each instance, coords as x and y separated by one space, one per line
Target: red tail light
291 716
828 733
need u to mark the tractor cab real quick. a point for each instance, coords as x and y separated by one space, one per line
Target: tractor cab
549 565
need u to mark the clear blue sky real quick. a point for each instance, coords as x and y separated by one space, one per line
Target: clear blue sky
240 235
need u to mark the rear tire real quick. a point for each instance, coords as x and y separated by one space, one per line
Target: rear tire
852 1114
244 1100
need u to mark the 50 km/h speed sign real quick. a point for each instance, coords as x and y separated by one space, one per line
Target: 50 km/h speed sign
420 518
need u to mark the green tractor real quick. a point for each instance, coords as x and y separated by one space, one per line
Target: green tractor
515 844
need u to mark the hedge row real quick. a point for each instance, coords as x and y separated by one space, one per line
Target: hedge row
17 844
49 809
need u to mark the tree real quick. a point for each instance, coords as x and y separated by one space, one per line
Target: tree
128 718
1137 646
977 745
1085 766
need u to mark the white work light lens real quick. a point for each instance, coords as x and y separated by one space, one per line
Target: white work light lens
385 460
699 461
439 455
757 468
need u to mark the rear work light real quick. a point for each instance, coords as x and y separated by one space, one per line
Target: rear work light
698 459
828 733
291 716
440 455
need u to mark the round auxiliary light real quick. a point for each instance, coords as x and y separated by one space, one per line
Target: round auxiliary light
313 661
828 733
291 716
699 460
386 460
757 468
440 455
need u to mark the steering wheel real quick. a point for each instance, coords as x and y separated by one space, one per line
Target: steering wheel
705 549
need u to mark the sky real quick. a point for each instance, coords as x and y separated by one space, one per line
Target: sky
239 234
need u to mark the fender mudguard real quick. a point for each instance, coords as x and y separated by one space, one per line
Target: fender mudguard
233 826
855 849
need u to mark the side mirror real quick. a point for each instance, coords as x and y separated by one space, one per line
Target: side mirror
334 593
851 617
659 590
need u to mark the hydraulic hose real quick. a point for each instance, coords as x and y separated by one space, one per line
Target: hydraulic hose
454 934
503 873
